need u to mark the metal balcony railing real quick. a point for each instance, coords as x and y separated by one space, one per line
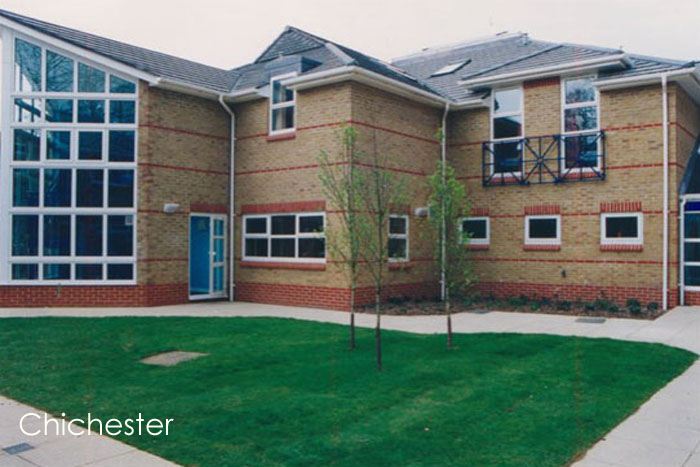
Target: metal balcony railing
544 159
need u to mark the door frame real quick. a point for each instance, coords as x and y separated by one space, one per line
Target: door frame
224 290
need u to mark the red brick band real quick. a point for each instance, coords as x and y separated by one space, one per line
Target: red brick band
527 247
480 211
539 83
542 209
621 247
293 206
93 296
621 206
284 265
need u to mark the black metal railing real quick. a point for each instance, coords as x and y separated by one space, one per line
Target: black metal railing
544 159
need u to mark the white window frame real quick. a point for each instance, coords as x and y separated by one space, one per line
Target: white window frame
7 164
576 105
542 241
282 105
494 115
296 236
400 236
638 240
475 241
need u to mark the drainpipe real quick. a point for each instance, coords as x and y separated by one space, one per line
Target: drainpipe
443 150
664 288
231 197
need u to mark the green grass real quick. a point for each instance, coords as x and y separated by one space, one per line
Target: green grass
288 393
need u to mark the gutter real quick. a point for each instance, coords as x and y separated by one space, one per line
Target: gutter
231 198
364 76
548 71
617 83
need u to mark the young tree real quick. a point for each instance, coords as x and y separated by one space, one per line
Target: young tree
382 190
448 202
341 185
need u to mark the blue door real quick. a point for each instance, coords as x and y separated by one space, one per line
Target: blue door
207 256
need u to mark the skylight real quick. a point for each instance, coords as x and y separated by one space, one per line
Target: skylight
451 67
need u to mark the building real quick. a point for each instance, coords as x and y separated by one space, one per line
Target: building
118 189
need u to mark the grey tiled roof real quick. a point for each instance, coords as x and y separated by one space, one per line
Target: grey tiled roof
498 55
516 53
295 41
149 61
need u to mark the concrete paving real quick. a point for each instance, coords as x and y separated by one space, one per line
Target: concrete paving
664 432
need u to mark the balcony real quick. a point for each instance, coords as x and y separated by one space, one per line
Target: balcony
544 159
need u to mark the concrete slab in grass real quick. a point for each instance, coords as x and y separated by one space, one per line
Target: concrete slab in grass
171 358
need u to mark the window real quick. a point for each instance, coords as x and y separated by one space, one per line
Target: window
507 130
398 238
282 104
478 228
580 124
71 175
285 237
621 229
451 67
542 230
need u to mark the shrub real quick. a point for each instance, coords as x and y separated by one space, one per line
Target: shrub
545 301
518 302
589 306
534 305
613 308
564 305
602 304
653 306
634 307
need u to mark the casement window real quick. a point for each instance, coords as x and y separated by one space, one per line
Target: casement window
580 123
282 106
622 228
542 230
507 130
70 174
398 238
290 237
478 229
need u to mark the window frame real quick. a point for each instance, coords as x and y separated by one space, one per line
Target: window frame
638 240
542 241
475 241
281 105
577 105
72 163
493 115
296 236
401 236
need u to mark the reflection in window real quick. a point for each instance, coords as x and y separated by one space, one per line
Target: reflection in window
59 110
57 145
27 66
27 144
90 79
59 73
507 128
580 117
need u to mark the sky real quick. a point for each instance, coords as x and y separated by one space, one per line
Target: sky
230 33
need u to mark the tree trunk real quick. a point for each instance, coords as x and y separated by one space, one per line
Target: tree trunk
378 329
352 316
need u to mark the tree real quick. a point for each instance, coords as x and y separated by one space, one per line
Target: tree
448 202
381 192
341 185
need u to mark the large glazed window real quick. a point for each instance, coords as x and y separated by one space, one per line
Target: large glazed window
507 130
282 106
285 237
70 175
580 123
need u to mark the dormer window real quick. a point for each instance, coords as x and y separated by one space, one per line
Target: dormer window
282 102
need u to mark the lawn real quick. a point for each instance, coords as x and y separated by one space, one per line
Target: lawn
279 392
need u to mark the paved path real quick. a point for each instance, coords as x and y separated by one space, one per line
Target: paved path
664 432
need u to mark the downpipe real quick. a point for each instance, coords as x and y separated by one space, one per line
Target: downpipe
231 197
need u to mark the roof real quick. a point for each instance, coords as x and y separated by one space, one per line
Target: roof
497 55
294 41
514 53
149 61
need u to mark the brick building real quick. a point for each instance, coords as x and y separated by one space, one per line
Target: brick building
135 178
